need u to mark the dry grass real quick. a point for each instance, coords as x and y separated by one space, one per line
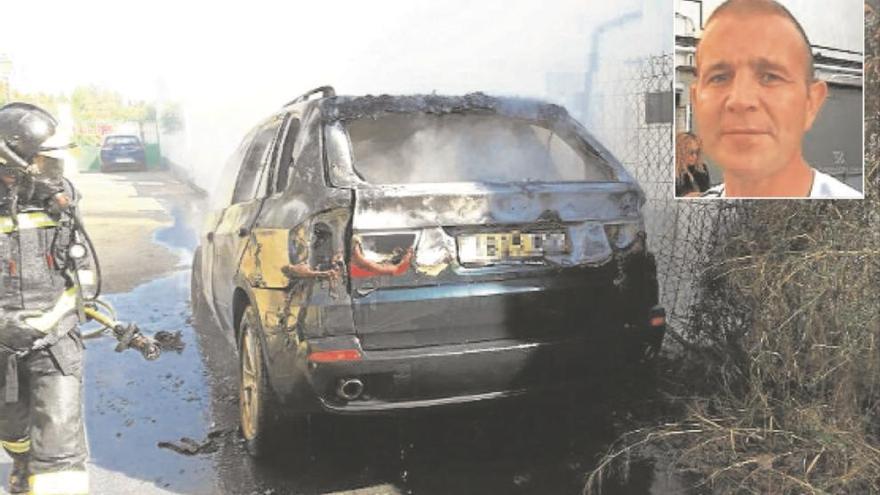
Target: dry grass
784 381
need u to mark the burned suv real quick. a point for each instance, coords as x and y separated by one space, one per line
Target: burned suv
380 253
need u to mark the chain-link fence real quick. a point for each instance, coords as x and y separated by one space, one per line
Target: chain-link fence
780 297
679 230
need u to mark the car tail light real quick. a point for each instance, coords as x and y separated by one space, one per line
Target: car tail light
335 356
657 318
389 254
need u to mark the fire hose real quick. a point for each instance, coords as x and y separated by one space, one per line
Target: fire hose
128 335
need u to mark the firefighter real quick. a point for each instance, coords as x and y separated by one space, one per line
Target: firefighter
41 350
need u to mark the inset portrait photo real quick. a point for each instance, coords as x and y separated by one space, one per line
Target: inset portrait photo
769 99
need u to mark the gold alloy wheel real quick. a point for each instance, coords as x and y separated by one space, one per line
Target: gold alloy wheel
251 369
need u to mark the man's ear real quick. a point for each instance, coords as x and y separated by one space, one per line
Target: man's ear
817 91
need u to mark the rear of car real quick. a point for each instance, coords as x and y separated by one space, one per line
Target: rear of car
122 152
494 248
377 254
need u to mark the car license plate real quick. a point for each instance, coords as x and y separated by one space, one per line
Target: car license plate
510 247
124 160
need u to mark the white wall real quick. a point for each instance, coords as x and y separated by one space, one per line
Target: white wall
838 23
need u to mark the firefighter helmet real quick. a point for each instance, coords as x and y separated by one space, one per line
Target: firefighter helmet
25 127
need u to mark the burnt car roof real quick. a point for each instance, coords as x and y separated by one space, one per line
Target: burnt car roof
358 107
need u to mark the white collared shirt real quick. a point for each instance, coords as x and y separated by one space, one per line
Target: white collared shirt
824 187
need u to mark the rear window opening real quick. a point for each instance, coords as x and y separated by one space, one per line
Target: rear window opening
428 148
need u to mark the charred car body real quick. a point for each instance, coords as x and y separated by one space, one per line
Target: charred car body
374 254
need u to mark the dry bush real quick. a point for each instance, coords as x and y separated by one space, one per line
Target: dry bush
784 374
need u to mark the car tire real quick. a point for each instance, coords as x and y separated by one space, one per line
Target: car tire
257 405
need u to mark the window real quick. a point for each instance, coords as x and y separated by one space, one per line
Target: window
226 183
658 107
253 167
420 148
285 160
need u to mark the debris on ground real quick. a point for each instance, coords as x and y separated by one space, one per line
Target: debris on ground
188 446
170 341
522 479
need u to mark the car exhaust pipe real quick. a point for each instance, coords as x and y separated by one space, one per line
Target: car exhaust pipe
350 388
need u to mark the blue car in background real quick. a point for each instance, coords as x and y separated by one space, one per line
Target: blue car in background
122 152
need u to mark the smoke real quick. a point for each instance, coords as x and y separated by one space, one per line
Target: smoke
425 148
396 48
624 39
236 69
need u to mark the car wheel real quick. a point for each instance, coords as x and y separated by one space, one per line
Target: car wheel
258 410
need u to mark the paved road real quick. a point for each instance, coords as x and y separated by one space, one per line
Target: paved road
143 226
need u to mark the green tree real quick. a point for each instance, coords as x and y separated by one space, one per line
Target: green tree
97 109
47 101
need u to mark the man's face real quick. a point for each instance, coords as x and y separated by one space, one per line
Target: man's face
752 99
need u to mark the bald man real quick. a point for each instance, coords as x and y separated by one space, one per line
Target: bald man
755 96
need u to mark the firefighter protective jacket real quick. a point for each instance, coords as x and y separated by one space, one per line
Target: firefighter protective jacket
36 297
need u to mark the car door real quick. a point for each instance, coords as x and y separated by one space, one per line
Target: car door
232 232
304 223
219 200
